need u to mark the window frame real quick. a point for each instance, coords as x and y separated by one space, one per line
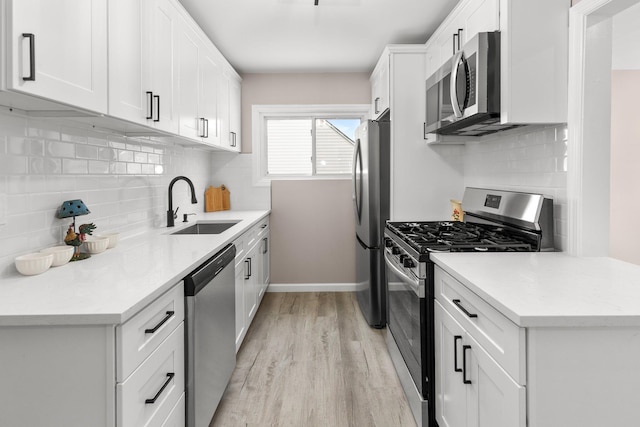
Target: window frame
260 114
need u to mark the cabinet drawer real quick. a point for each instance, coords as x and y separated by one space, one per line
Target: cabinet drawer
149 395
500 337
139 336
262 228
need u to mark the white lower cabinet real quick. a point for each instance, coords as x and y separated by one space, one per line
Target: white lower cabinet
472 390
97 375
149 395
252 275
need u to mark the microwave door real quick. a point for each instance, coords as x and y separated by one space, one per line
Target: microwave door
459 84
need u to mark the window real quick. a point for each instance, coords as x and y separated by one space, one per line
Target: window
305 142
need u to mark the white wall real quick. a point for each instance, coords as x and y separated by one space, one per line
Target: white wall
123 181
625 135
530 160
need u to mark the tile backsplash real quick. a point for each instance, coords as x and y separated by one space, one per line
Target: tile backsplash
532 159
123 181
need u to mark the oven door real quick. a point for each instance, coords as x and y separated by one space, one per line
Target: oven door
406 318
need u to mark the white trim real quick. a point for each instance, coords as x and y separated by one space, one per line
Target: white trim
578 126
312 287
258 114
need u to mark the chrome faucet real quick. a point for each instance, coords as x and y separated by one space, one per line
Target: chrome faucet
171 214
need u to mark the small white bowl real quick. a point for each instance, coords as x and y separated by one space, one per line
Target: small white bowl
113 239
35 263
61 254
95 245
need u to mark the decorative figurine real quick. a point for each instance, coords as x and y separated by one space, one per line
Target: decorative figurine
76 240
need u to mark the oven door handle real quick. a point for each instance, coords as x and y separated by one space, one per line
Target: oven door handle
412 281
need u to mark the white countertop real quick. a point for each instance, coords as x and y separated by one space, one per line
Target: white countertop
551 289
112 286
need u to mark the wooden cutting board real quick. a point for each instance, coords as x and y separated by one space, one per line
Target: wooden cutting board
217 199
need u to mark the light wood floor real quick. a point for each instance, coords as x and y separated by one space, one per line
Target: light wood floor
310 359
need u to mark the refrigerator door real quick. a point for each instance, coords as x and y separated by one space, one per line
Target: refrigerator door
370 289
371 182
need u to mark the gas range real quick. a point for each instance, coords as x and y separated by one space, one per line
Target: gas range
495 221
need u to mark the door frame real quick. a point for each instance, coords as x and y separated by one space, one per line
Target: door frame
588 158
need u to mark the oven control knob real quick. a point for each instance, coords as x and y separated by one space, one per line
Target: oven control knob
395 250
387 242
403 257
408 263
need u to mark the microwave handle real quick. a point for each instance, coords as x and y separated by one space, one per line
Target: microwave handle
453 87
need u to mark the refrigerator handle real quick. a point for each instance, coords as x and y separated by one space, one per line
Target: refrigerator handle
357 179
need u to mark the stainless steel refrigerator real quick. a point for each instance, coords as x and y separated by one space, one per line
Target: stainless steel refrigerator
371 206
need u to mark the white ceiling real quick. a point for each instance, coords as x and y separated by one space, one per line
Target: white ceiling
275 36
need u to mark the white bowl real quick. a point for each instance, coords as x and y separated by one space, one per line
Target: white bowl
61 254
35 263
95 245
113 239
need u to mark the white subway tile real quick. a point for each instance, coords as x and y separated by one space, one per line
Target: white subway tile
73 166
60 149
125 156
98 167
86 152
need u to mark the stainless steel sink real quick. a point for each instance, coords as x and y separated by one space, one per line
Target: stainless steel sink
207 228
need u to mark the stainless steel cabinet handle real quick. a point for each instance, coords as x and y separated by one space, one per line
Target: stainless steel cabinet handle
247 269
32 57
464 310
464 364
453 39
266 245
206 129
232 141
455 353
162 322
460 30
375 105
150 105
170 376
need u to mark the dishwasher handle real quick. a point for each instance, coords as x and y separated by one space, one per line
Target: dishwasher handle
201 276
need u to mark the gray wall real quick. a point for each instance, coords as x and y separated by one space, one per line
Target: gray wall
312 226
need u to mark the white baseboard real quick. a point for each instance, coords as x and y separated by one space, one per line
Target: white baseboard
311 287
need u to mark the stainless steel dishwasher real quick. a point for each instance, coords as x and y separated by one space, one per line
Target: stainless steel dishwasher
210 335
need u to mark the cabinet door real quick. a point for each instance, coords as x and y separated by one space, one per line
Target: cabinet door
241 323
58 51
224 110
208 105
251 265
264 264
494 398
188 77
380 88
479 16
235 93
128 72
451 393
162 37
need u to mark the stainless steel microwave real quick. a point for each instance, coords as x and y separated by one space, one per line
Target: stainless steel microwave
463 96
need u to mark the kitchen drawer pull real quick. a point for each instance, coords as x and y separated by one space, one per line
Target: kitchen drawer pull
32 57
464 364
266 245
157 98
455 35
464 310
170 376
150 104
375 105
206 131
455 353
202 134
233 139
162 322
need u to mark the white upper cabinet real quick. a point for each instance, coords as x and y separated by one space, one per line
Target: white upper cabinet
162 52
466 20
58 51
128 71
380 96
210 73
229 93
